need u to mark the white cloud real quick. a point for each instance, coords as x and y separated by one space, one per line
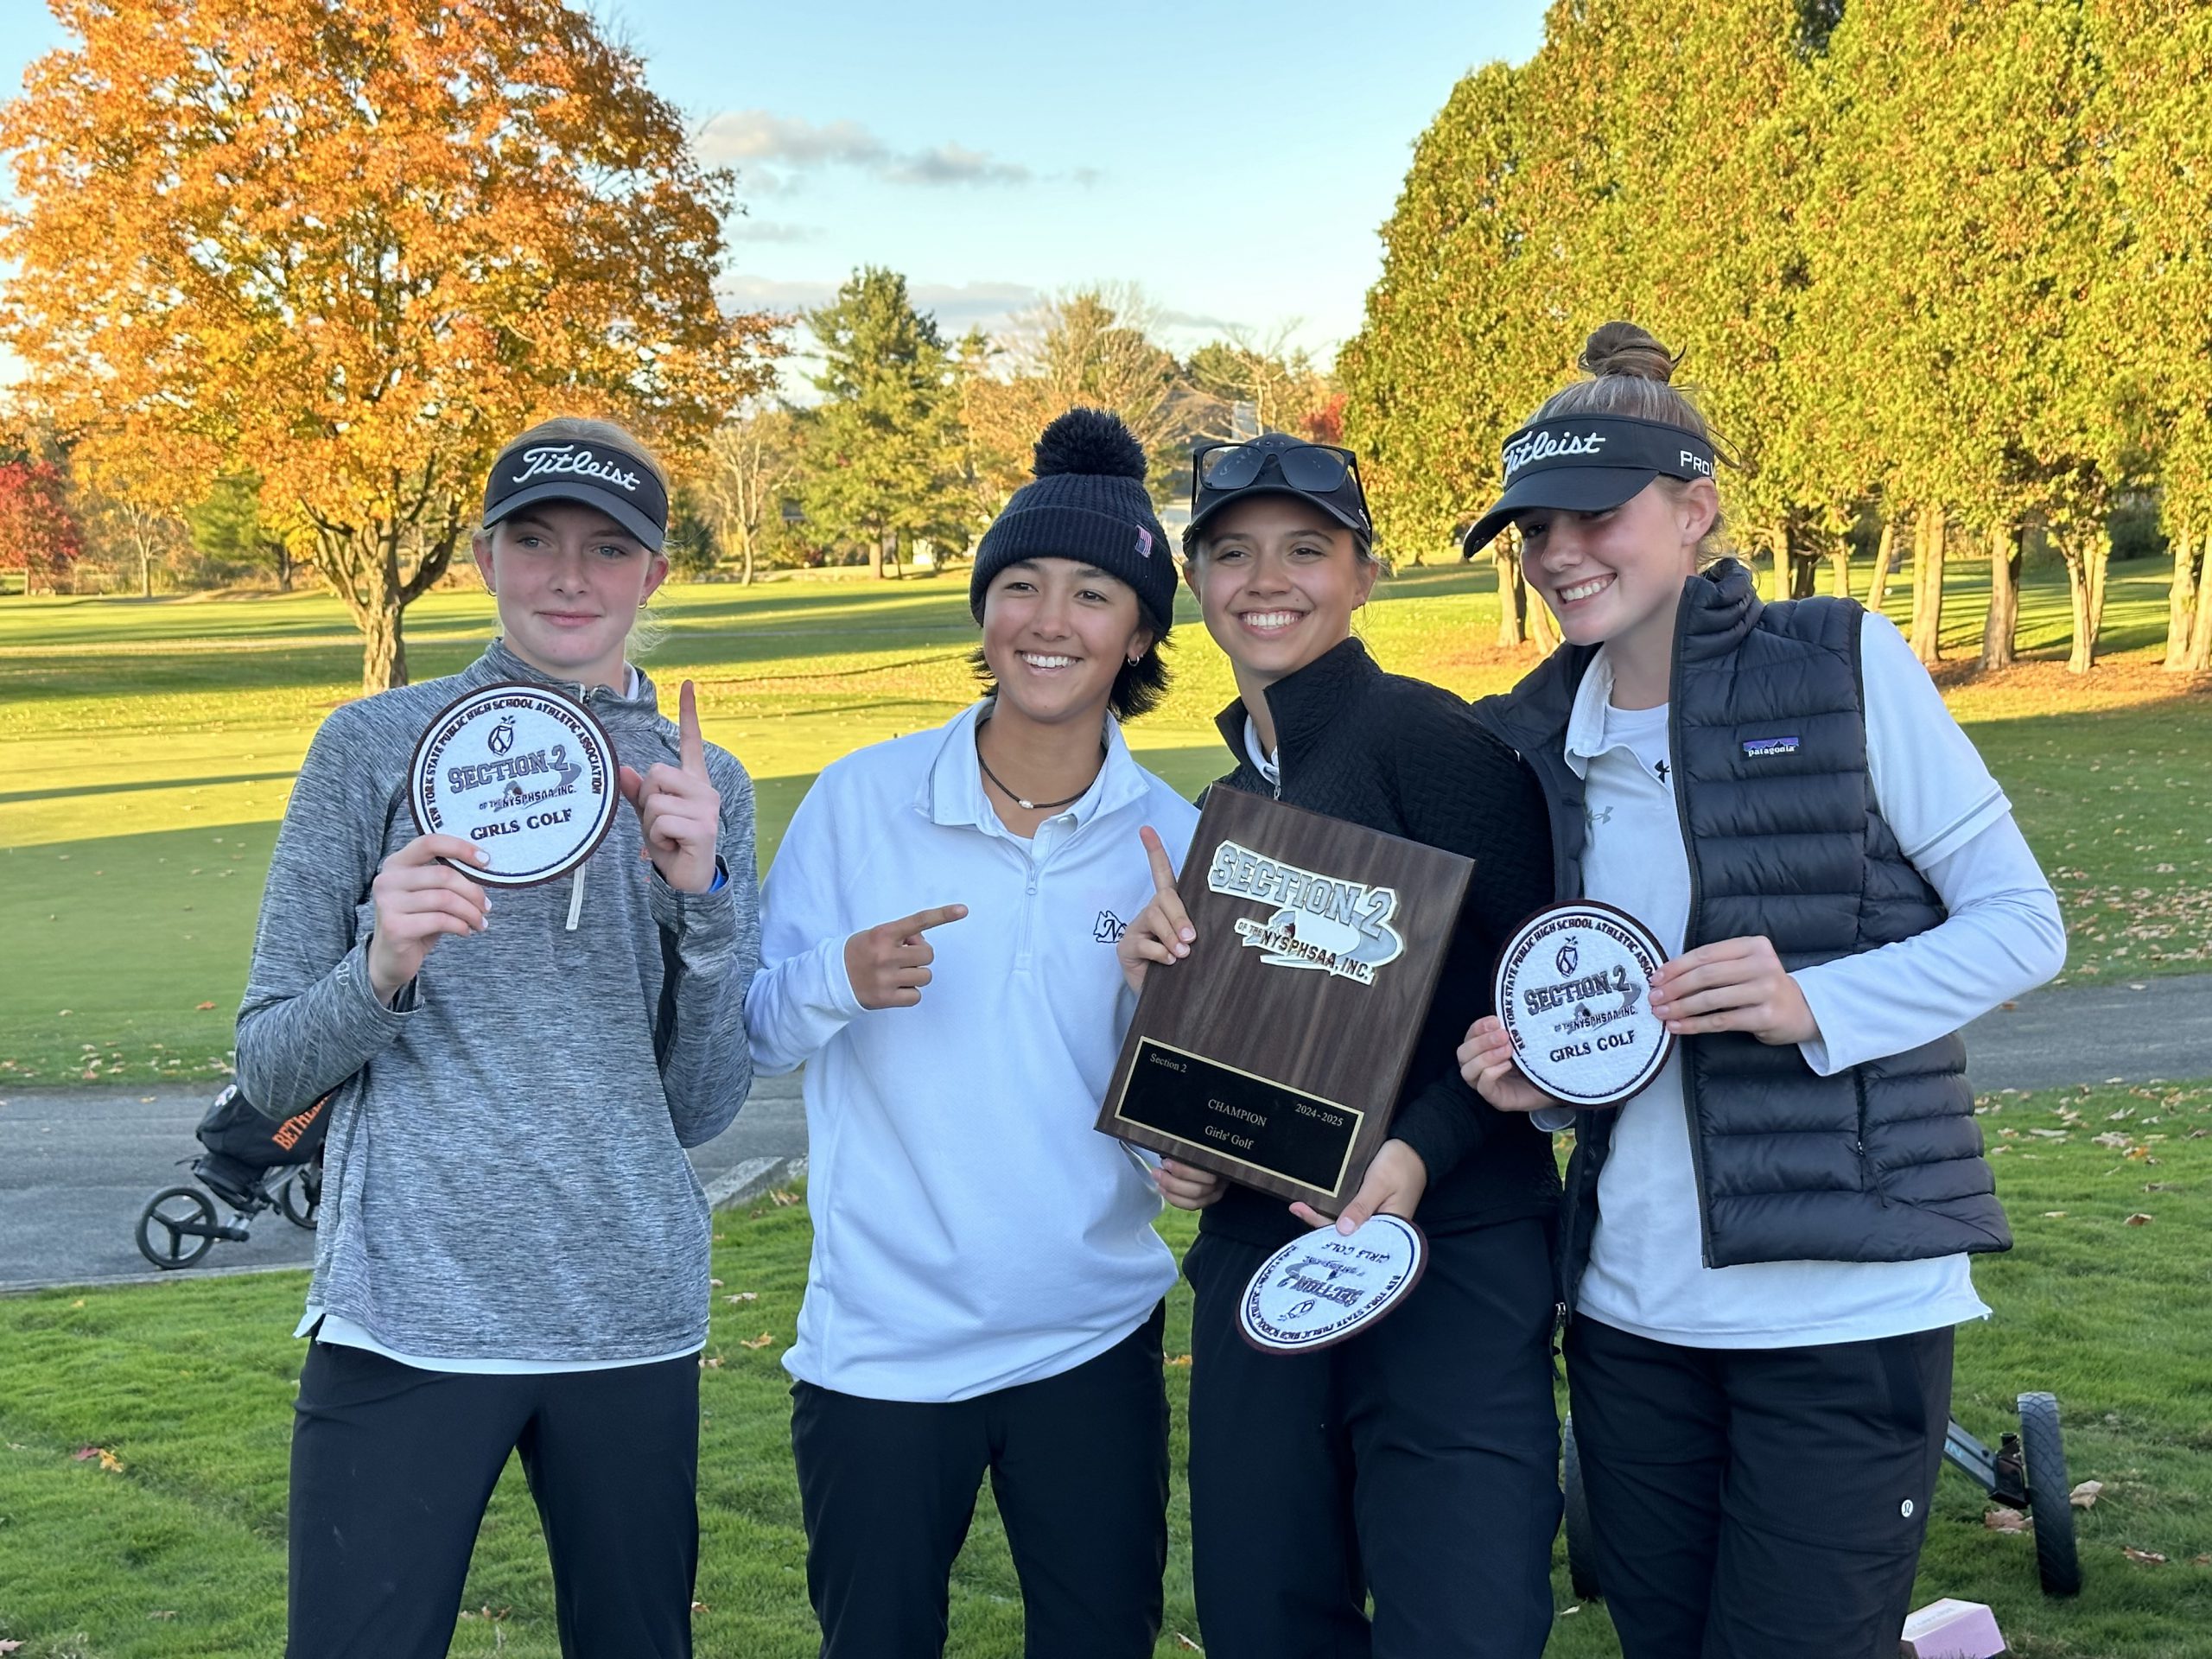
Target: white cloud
770 147
743 227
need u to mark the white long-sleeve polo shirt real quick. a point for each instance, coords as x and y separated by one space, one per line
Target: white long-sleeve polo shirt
972 1230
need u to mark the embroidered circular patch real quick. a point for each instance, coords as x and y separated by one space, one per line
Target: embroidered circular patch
524 773
1573 991
1321 1288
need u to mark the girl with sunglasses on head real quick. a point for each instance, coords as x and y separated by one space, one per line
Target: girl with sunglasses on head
1767 1249
511 1255
1416 1462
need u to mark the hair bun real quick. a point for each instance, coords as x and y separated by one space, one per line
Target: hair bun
1623 348
1090 441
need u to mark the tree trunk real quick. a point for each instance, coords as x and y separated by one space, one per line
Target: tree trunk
2200 644
1543 626
1886 552
1840 567
1512 597
745 566
2184 599
2001 626
145 572
384 650
1927 586
875 556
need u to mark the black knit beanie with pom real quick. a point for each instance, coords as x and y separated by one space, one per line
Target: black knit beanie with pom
1088 502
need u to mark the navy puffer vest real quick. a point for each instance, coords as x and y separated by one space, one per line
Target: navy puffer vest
1880 1163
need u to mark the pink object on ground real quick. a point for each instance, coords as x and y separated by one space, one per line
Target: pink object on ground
1952 1629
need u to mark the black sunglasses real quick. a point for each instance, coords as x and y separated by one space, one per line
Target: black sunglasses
1321 468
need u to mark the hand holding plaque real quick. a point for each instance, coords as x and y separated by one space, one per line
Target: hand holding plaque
1273 1052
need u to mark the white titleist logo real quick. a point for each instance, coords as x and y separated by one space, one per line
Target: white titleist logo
569 458
1543 445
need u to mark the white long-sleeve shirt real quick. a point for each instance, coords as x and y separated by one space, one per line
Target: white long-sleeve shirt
972 1230
2002 934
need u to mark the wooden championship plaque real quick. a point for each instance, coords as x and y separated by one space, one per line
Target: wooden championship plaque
1274 1052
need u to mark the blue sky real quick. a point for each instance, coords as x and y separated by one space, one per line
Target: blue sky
1235 161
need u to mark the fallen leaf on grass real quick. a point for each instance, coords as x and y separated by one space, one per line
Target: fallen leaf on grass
2112 1138
2138 1219
9 1646
716 1283
1185 1642
2148 1557
108 1460
203 1008
742 1295
700 1607
2004 1519
1178 1360
714 1364
167 1613
760 1341
2200 1560
782 1199
2054 1215
2085 1495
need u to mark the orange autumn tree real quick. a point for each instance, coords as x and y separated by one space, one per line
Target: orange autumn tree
350 246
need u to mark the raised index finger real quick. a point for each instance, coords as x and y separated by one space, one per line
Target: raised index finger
692 747
922 921
1163 868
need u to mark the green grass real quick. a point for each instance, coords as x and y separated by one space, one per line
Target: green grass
146 748
179 1551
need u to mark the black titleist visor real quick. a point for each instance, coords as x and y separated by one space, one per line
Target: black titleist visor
1587 463
619 484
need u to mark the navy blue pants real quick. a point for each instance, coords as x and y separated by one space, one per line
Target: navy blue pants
1417 1462
392 1466
1747 1503
1078 1465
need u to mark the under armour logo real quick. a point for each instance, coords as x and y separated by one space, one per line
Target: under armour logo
1659 770
1598 815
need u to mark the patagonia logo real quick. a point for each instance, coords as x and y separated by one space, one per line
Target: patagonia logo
1761 748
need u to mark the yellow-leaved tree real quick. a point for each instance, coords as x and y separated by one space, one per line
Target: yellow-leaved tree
351 246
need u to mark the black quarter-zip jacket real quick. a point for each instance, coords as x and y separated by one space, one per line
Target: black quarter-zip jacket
1409 759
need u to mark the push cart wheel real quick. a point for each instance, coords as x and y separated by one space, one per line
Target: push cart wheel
2049 1496
1582 1548
299 1196
176 1228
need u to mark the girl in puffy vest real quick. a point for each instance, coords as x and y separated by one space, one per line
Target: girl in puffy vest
511 1255
1766 1250
1416 1463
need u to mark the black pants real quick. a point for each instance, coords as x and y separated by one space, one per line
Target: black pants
1078 1465
1753 1502
1418 1461
392 1466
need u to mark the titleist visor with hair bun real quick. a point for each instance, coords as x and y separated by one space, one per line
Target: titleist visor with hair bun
619 482
1587 463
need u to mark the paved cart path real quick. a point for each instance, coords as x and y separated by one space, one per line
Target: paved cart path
77 1165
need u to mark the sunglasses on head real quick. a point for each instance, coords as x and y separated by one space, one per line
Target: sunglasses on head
1318 467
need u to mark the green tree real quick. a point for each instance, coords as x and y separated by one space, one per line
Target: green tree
883 448
2156 332
228 527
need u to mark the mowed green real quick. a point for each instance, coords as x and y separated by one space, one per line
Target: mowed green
146 749
173 1547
